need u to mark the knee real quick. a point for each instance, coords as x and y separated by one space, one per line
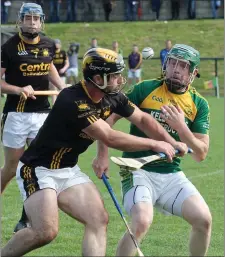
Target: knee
44 237
142 226
100 219
203 223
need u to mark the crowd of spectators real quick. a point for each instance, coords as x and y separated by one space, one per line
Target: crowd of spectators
67 10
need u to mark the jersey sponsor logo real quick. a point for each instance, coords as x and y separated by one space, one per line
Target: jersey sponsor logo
156 115
35 69
157 98
93 67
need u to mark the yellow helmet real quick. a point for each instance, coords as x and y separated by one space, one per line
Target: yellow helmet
101 61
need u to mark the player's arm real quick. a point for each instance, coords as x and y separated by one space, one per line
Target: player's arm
198 142
55 78
102 149
9 89
197 137
100 130
153 129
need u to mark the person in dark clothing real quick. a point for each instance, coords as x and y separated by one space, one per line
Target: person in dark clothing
156 7
107 6
191 9
175 8
71 10
130 8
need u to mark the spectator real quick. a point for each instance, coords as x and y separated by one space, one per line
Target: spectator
215 5
134 65
130 8
164 52
107 6
156 8
90 12
94 43
191 9
40 2
71 10
60 60
175 9
4 11
55 10
72 72
115 47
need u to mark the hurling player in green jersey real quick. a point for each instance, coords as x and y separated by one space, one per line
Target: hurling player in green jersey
184 113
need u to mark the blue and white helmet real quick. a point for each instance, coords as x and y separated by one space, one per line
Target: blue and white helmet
30 9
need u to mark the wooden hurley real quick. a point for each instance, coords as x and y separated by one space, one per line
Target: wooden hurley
49 92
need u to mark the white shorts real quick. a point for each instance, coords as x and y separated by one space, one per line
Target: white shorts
134 74
17 127
72 72
30 180
166 192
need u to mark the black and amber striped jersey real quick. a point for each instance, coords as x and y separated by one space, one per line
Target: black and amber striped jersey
27 64
61 138
59 60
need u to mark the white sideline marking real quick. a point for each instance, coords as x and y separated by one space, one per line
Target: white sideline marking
207 174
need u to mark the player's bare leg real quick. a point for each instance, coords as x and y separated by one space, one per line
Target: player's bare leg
141 219
197 213
42 211
8 172
83 202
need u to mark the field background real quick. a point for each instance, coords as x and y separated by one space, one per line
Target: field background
168 235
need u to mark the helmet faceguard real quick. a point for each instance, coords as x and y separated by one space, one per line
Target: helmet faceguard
33 10
180 68
106 63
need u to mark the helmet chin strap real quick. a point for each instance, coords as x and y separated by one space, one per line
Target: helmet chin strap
29 35
175 88
105 86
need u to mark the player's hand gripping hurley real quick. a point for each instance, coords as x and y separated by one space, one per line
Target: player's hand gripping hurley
47 92
137 163
110 190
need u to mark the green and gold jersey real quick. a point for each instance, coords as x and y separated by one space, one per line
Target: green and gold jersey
149 96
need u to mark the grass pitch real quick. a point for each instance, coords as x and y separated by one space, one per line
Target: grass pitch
168 236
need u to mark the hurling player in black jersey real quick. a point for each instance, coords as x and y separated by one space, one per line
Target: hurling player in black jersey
48 175
27 63
61 63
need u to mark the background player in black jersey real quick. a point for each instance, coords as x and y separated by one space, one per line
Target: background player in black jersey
26 62
61 63
48 175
